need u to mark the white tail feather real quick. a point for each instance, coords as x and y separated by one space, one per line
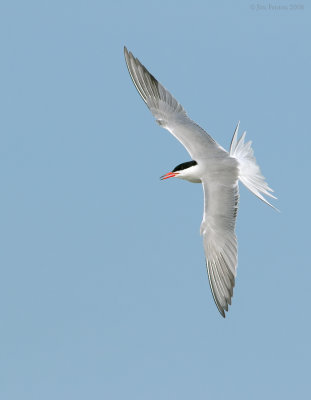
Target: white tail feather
249 171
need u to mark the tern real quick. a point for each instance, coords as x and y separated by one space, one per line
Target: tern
219 172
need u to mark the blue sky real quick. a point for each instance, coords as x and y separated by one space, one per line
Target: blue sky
103 289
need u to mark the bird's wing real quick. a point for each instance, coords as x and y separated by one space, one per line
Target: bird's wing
219 239
170 114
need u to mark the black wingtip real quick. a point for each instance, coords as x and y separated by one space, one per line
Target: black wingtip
126 53
219 307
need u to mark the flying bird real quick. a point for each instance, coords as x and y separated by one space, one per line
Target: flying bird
219 172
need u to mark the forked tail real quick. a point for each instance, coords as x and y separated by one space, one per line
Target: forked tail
249 174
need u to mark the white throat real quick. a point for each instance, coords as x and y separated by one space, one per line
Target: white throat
190 174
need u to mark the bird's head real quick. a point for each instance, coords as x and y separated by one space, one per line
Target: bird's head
186 170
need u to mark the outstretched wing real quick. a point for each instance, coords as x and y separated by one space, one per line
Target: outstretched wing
170 114
219 239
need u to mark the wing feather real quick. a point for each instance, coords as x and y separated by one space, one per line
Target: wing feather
219 239
170 114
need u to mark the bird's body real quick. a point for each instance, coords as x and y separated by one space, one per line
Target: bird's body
219 172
